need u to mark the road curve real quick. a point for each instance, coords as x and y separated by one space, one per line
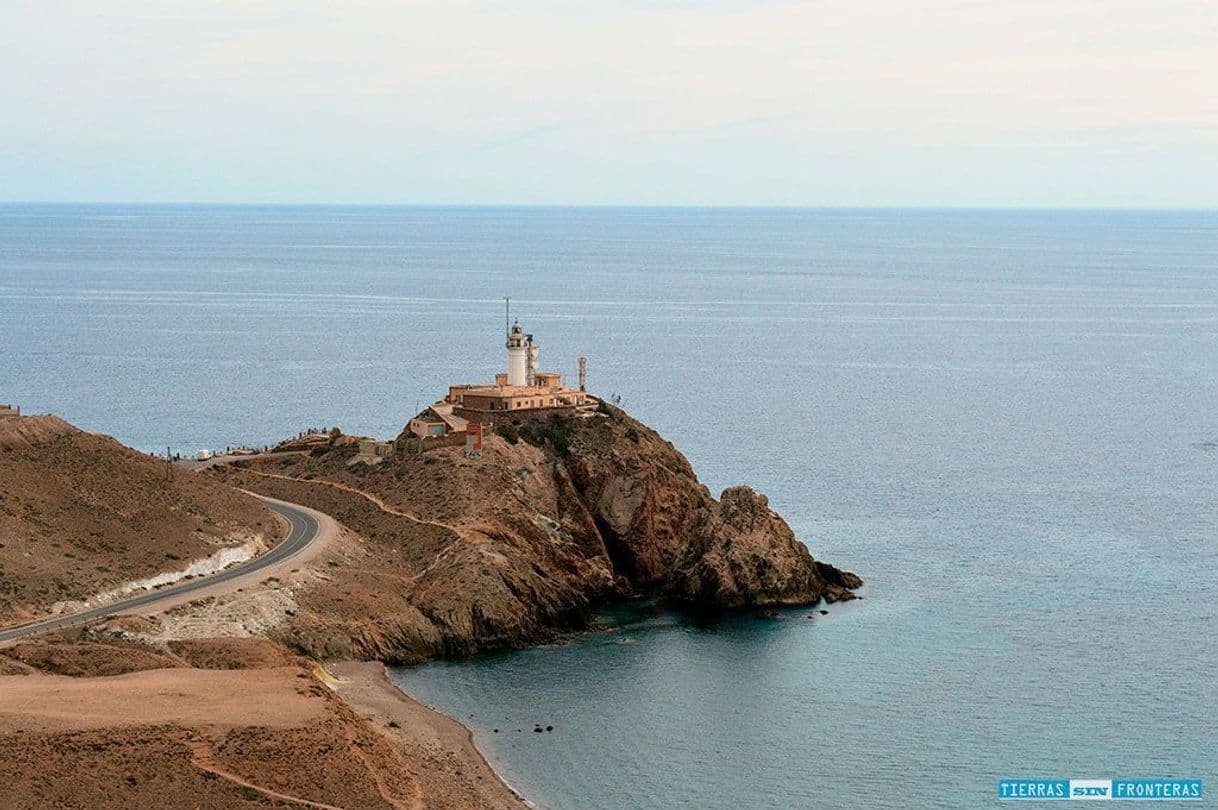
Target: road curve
304 530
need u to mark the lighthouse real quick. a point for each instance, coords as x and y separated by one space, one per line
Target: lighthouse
524 392
518 355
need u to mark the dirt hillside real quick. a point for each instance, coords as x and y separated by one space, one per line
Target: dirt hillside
81 514
220 724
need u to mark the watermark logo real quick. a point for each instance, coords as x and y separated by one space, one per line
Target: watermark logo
1163 790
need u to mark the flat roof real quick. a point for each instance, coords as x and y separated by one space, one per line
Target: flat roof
504 391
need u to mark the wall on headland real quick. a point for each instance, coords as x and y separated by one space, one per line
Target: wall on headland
517 417
410 443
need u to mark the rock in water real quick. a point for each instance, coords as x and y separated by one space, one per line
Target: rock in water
745 555
839 584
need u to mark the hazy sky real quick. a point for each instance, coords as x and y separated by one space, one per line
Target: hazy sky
850 102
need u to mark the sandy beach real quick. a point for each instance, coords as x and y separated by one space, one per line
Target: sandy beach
452 772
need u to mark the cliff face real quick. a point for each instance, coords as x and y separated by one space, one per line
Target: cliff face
465 554
642 494
662 528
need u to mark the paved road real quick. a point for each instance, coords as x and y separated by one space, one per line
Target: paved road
304 531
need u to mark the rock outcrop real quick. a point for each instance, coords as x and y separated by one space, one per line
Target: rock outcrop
662 528
642 494
745 555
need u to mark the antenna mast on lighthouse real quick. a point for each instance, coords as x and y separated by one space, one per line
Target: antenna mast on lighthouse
507 316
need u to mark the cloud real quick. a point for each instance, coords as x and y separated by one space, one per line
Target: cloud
272 94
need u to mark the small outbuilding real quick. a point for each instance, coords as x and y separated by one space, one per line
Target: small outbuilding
437 420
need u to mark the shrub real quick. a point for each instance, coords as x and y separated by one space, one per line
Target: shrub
555 432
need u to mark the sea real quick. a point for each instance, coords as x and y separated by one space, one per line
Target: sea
1005 421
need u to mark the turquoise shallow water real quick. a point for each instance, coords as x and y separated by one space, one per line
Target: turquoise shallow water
1004 421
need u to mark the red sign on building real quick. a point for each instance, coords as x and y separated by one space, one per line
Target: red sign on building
473 440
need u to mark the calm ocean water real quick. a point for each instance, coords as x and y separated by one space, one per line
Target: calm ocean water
1004 421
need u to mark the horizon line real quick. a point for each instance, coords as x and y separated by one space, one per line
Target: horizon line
612 206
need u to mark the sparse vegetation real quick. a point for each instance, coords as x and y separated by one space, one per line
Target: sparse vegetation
554 432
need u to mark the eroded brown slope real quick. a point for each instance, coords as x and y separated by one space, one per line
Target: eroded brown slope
497 563
81 514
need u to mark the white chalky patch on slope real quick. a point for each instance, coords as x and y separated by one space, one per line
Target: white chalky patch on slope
206 566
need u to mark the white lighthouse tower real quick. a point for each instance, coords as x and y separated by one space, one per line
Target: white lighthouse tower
518 355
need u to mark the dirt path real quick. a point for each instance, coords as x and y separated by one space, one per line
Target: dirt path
384 507
373 499
201 758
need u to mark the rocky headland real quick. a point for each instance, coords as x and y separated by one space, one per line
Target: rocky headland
560 514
